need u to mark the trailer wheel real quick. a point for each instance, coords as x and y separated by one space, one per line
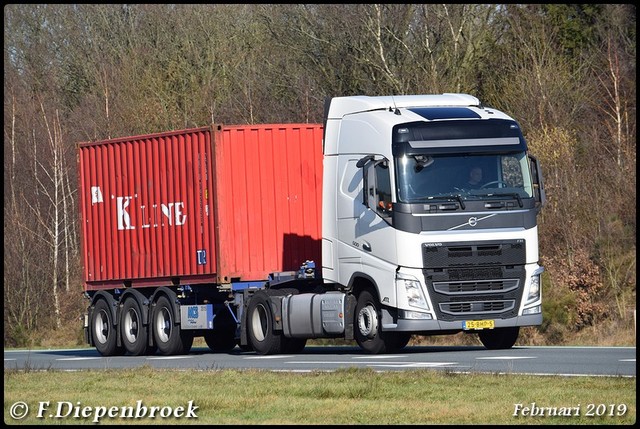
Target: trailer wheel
134 333
499 338
368 329
168 337
262 337
103 330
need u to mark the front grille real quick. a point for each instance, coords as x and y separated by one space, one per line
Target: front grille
478 286
492 290
480 280
494 297
476 308
510 252
475 273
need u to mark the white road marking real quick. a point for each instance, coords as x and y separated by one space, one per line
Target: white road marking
416 364
379 357
373 363
80 358
269 357
169 357
507 357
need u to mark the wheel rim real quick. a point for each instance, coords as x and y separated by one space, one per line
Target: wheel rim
164 325
101 327
259 323
368 321
131 325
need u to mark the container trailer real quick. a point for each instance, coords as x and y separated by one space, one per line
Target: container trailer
366 227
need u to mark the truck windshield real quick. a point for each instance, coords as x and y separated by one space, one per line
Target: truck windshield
425 177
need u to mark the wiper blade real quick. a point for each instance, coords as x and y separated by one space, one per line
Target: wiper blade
506 194
457 197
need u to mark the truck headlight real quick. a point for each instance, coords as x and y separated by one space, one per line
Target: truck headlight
535 286
413 291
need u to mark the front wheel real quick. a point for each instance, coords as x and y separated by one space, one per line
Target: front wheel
499 338
368 326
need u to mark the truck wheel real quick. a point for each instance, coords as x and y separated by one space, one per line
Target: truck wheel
368 332
168 337
260 326
103 330
134 333
222 338
499 338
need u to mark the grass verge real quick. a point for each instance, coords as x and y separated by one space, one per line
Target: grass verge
349 396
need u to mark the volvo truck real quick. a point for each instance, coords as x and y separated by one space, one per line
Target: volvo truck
397 216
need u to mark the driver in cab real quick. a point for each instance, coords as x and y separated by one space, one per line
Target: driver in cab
475 177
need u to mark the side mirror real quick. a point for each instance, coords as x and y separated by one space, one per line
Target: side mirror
363 161
538 182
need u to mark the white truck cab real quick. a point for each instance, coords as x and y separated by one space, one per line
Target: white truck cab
424 249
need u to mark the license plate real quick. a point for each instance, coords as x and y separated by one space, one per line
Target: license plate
478 324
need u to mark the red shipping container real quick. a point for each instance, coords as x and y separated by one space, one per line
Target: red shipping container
208 205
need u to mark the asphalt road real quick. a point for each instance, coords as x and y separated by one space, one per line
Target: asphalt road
566 361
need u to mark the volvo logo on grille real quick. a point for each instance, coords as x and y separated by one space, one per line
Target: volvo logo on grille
472 221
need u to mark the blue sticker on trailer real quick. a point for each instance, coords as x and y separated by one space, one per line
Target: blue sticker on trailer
192 312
